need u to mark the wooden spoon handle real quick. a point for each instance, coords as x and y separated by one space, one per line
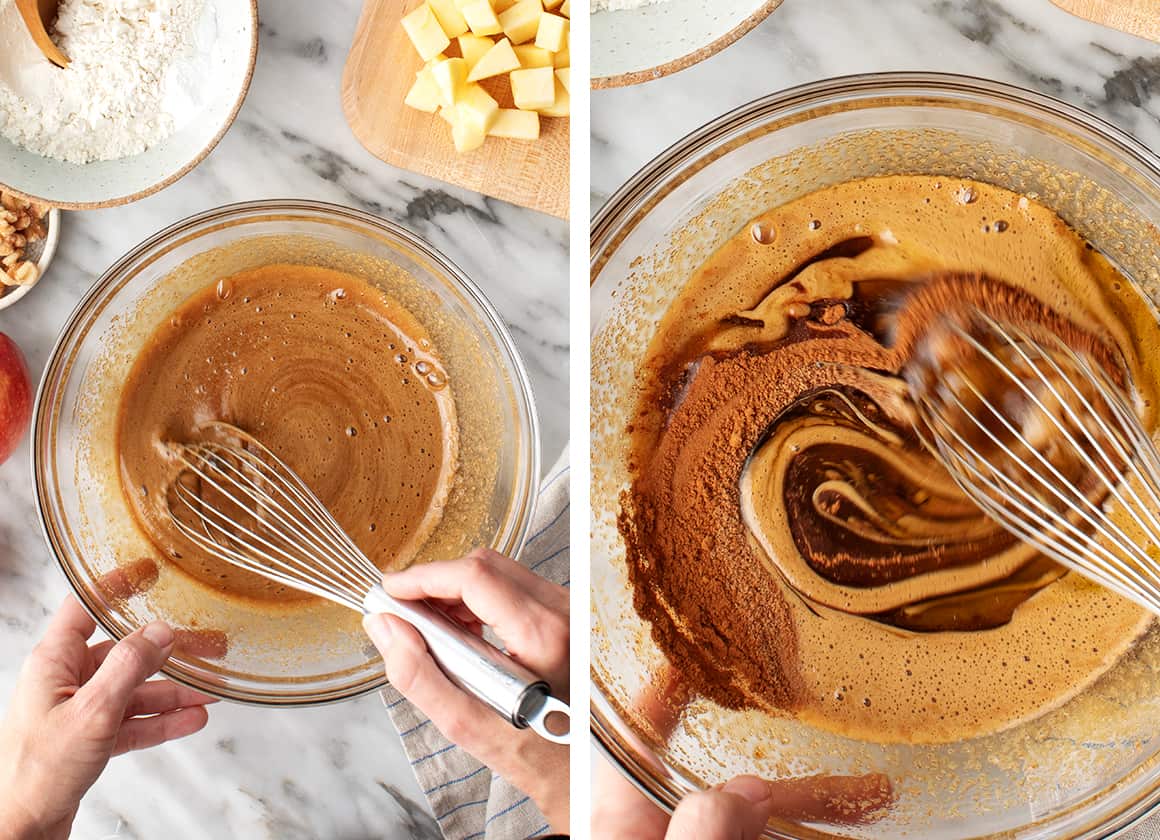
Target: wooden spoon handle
30 11
1139 17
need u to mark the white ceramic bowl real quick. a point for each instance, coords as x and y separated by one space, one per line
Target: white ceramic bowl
635 45
40 252
232 28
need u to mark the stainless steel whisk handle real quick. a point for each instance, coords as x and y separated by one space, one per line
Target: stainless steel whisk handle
479 668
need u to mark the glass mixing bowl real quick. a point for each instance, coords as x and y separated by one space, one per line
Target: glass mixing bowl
307 654
1084 769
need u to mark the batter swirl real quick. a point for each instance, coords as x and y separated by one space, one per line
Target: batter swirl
792 544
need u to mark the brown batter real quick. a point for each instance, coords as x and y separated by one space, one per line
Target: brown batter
334 376
790 541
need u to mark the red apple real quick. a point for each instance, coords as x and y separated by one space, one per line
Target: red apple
15 396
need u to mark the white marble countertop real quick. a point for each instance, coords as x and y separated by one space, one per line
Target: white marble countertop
338 771
1030 43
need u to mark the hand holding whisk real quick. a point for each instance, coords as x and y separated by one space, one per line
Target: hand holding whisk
1044 438
240 503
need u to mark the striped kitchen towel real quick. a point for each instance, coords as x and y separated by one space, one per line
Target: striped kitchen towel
469 802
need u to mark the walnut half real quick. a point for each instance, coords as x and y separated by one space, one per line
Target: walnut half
21 223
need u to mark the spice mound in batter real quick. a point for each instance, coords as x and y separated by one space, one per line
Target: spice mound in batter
331 374
775 467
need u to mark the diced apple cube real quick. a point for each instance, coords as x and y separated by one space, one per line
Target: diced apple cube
467 135
425 33
566 8
521 21
563 58
502 5
564 74
476 105
552 4
562 104
516 124
534 89
480 16
532 56
424 94
450 75
448 114
552 33
501 58
450 19
472 48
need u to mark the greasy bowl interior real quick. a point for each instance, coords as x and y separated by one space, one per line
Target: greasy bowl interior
305 654
1092 762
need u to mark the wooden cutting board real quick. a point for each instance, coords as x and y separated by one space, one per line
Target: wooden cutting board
380 70
1139 17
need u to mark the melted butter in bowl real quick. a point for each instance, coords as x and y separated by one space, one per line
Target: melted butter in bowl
338 379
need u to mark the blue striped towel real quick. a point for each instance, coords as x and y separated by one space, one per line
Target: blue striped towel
469 802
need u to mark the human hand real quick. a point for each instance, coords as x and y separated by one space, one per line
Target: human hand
736 810
75 706
530 616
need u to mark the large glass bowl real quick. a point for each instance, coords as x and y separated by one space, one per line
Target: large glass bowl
306 654
1085 769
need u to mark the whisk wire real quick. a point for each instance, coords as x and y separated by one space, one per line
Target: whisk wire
1017 484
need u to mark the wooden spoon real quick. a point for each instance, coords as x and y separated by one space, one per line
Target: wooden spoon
36 13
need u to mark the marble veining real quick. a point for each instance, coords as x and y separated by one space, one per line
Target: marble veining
1030 43
337 771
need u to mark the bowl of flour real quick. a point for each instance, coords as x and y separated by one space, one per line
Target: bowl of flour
151 87
634 41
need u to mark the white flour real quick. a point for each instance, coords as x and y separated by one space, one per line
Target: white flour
132 79
618 5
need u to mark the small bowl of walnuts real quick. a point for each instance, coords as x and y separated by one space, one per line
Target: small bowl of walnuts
28 237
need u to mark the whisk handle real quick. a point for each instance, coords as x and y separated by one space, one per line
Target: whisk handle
476 666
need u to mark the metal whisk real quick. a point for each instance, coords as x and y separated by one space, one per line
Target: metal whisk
1047 443
240 503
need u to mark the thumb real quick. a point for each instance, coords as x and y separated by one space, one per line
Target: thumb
736 811
129 663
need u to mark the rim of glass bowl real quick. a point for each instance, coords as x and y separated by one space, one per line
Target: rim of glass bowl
47 407
1106 811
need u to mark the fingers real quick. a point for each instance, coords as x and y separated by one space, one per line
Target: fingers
70 625
462 719
143 733
161 696
737 811
504 596
127 665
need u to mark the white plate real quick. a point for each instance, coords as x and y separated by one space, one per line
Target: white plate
233 26
636 45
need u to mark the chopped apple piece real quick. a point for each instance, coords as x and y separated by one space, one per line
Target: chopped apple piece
566 8
476 105
502 5
564 74
534 89
532 56
450 19
424 95
467 135
552 33
472 48
521 21
562 104
423 29
563 58
450 75
552 4
516 124
480 16
501 58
